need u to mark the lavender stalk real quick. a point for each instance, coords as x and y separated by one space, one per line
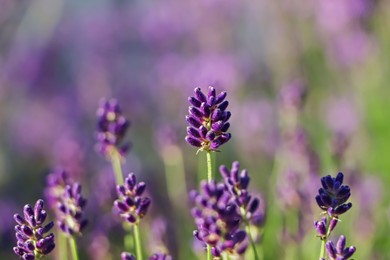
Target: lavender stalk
332 199
208 120
112 127
132 206
73 248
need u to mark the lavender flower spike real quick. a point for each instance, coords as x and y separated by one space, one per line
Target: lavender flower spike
56 182
30 232
208 120
71 210
333 195
218 220
339 252
111 128
131 205
237 182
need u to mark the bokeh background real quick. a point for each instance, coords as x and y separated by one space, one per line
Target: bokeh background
308 86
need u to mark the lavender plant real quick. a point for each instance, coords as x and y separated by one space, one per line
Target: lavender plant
131 205
237 183
332 199
208 123
218 221
68 203
30 232
112 127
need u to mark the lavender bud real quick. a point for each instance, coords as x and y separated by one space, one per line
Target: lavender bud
211 115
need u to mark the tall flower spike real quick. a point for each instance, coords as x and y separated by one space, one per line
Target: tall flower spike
339 252
131 205
111 128
30 232
237 183
218 220
71 210
333 195
208 120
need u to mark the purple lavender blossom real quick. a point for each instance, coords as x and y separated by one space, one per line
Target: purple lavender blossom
70 213
293 95
30 232
237 183
160 256
112 126
208 120
339 252
127 256
218 220
131 205
321 226
333 195
56 182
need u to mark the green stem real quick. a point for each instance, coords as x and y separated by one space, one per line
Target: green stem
322 252
116 162
209 167
325 239
138 249
209 178
62 245
73 248
209 255
117 167
248 230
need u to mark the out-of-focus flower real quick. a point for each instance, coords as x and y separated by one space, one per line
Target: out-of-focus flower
30 232
237 184
112 126
70 214
333 195
208 120
127 256
339 252
131 205
292 96
160 256
56 182
218 220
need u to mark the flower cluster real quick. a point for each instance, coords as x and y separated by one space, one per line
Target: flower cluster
159 256
208 120
131 205
70 214
30 232
218 220
55 189
237 184
333 195
339 252
112 126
